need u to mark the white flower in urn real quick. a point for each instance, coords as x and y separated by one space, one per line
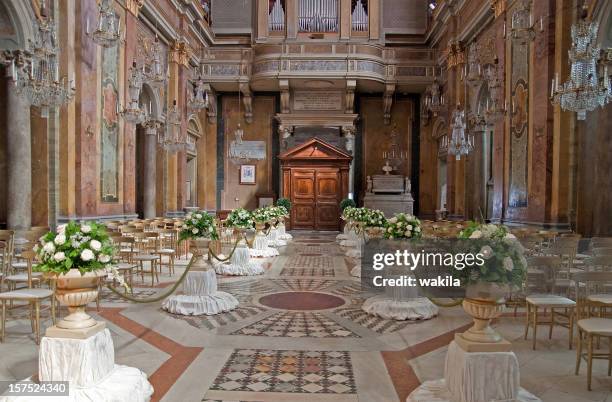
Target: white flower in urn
508 264
95 245
61 228
408 233
85 228
60 239
49 247
104 258
59 256
194 230
487 252
87 255
477 234
199 216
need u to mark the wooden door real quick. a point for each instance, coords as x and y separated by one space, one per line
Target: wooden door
315 196
327 195
303 198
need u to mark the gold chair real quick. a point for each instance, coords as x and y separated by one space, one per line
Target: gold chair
167 248
590 328
33 296
147 247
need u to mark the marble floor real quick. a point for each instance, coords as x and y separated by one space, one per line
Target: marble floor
299 335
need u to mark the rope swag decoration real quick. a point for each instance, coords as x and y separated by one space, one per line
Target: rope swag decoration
176 284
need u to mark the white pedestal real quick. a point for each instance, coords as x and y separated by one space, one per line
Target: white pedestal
89 366
200 296
475 377
261 248
282 233
419 308
240 263
273 239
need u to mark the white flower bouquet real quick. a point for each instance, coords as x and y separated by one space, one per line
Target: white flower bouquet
240 218
199 225
86 247
403 226
504 264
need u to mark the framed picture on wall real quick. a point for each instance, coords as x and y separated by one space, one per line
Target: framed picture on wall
247 174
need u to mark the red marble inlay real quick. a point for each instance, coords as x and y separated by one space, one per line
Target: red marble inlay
301 301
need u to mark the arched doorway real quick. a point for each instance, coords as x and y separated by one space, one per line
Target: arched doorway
440 134
315 179
191 176
146 154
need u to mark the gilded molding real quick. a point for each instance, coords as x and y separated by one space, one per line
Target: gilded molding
134 6
498 6
455 54
180 53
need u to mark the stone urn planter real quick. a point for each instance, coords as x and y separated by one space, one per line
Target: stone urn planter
199 249
76 291
484 301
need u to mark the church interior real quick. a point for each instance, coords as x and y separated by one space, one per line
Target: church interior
192 193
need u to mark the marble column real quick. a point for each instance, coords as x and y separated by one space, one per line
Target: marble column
349 136
19 160
150 166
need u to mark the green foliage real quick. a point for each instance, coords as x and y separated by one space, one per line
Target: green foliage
86 247
403 226
240 218
199 225
504 264
284 202
347 202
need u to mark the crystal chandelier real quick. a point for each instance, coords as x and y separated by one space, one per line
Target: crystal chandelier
170 139
39 79
584 91
461 143
198 98
434 100
108 29
155 75
133 113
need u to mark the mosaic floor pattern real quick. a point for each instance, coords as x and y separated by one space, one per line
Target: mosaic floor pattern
297 325
304 284
223 319
289 371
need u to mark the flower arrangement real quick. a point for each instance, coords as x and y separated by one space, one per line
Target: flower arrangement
348 213
199 225
347 203
369 217
403 226
284 202
86 247
504 264
263 215
240 218
279 211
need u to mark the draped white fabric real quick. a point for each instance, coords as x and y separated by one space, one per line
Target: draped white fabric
344 235
475 377
273 239
282 233
436 391
200 296
123 384
240 263
89 365
83 362
391 308
260 247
